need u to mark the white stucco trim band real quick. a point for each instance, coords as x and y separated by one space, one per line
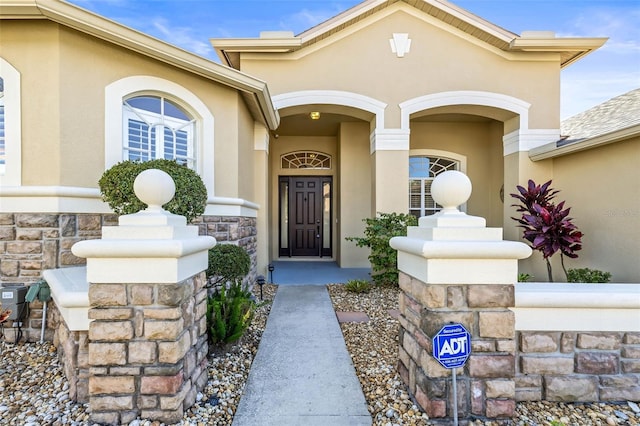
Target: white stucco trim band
526 140
389 140
223 206
577 307
464 97
51 199
332 97
70 292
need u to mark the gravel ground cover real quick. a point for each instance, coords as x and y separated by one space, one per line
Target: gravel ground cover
374 348
33 390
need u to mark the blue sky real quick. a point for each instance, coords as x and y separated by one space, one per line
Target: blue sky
610 71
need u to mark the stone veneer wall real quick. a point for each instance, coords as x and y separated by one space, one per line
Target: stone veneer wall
486 387
578 366
33 242
147 350
73 354
506 365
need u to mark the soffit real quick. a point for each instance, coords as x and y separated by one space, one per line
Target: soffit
570 50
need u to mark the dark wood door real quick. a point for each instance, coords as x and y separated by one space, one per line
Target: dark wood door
305 218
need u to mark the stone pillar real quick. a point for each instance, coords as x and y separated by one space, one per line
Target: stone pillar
147 336
454 269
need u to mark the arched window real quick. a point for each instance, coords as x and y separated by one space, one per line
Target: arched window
143 122
422 170
305 160
10 126
156 127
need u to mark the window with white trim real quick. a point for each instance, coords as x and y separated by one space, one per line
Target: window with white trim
154 128
422 170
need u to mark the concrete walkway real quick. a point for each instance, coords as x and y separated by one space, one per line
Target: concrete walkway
302 373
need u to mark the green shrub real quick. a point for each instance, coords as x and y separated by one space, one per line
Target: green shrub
227 263
229 313
586 275
358 286
378 232
116 187
523 278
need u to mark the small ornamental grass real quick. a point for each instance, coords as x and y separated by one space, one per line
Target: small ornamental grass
523 277
358 286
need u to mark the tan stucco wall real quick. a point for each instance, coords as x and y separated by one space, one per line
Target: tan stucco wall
64 74
481 144
32 49
602 187
439 61
354 193
245 166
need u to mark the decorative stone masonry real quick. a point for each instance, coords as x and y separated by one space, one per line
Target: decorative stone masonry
578 366
31 243
147 342
454 269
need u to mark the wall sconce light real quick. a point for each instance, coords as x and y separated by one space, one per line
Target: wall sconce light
314 115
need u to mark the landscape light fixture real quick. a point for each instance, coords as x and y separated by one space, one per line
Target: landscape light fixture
271 268
315 115
260 281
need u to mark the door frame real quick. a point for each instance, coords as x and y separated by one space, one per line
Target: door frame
287 250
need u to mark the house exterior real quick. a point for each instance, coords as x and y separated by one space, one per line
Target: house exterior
82 93
400 91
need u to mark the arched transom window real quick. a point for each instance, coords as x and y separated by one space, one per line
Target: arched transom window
305 160
155 128
422 170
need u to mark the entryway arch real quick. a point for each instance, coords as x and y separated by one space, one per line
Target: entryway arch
465 97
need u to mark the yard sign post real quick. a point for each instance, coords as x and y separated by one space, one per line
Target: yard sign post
452 347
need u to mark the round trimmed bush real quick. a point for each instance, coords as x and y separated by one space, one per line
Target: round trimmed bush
228 262
116 187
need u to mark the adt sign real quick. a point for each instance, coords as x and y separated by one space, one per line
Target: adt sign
452 345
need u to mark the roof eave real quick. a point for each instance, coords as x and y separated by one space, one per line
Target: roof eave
228 49
113 32
573 47
551 150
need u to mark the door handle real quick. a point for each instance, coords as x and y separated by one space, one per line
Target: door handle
318 232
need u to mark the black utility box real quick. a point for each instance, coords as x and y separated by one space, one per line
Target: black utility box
12 298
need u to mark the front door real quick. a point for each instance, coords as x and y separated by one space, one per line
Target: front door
305 216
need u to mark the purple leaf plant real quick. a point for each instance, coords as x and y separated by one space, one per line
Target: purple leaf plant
547 226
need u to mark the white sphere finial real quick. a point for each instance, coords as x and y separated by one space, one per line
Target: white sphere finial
451 189
154 188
